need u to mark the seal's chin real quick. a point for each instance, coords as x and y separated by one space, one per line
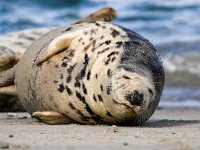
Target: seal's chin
137 110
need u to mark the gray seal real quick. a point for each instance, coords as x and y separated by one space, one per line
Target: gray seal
90 73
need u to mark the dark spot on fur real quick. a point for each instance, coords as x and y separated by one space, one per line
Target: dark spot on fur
91 38
115 33
86 48
64 58
83 43
104 50
107 61
113 59
88 75
69 78
101 44
119 44
84 88
100 98
103 27
82 117
61 88
108 90
61 76
97 24
109 114
93 45
80 39
102 37
72 106
101 87
87 107
109 72
69 71
114 101
92 21
55 81
94 97
68 90
112 53
86 59
82 73
107 42
97 118
64 64
126 77
96 76
77 84
80 97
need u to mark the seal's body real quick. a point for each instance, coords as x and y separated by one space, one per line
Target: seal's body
90 73
12 47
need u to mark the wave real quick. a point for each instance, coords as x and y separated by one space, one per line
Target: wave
182 63
180 97
160 21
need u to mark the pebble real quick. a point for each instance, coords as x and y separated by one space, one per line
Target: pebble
125 143
113 129
11 136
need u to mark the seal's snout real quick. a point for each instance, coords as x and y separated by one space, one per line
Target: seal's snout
135 98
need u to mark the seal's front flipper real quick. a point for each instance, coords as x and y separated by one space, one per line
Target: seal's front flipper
51 117
63 41
8 90
59 44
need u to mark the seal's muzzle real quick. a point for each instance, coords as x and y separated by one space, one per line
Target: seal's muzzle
135 98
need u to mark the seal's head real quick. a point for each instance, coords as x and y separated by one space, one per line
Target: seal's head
135 92
132 90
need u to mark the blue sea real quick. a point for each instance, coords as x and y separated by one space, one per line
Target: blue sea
173 26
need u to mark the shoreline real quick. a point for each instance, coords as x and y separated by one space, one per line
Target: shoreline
167 129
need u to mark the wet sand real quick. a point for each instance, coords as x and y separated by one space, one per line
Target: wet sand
167 129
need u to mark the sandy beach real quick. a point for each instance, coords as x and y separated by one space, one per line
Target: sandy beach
167 129
171 26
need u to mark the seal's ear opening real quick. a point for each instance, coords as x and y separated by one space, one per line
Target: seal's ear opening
59 44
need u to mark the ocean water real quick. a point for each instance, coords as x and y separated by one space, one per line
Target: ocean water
173 26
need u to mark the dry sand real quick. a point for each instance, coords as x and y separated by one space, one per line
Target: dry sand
177 129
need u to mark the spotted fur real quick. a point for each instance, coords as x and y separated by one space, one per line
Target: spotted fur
94 72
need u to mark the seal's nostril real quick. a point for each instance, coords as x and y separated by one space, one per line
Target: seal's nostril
135 98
